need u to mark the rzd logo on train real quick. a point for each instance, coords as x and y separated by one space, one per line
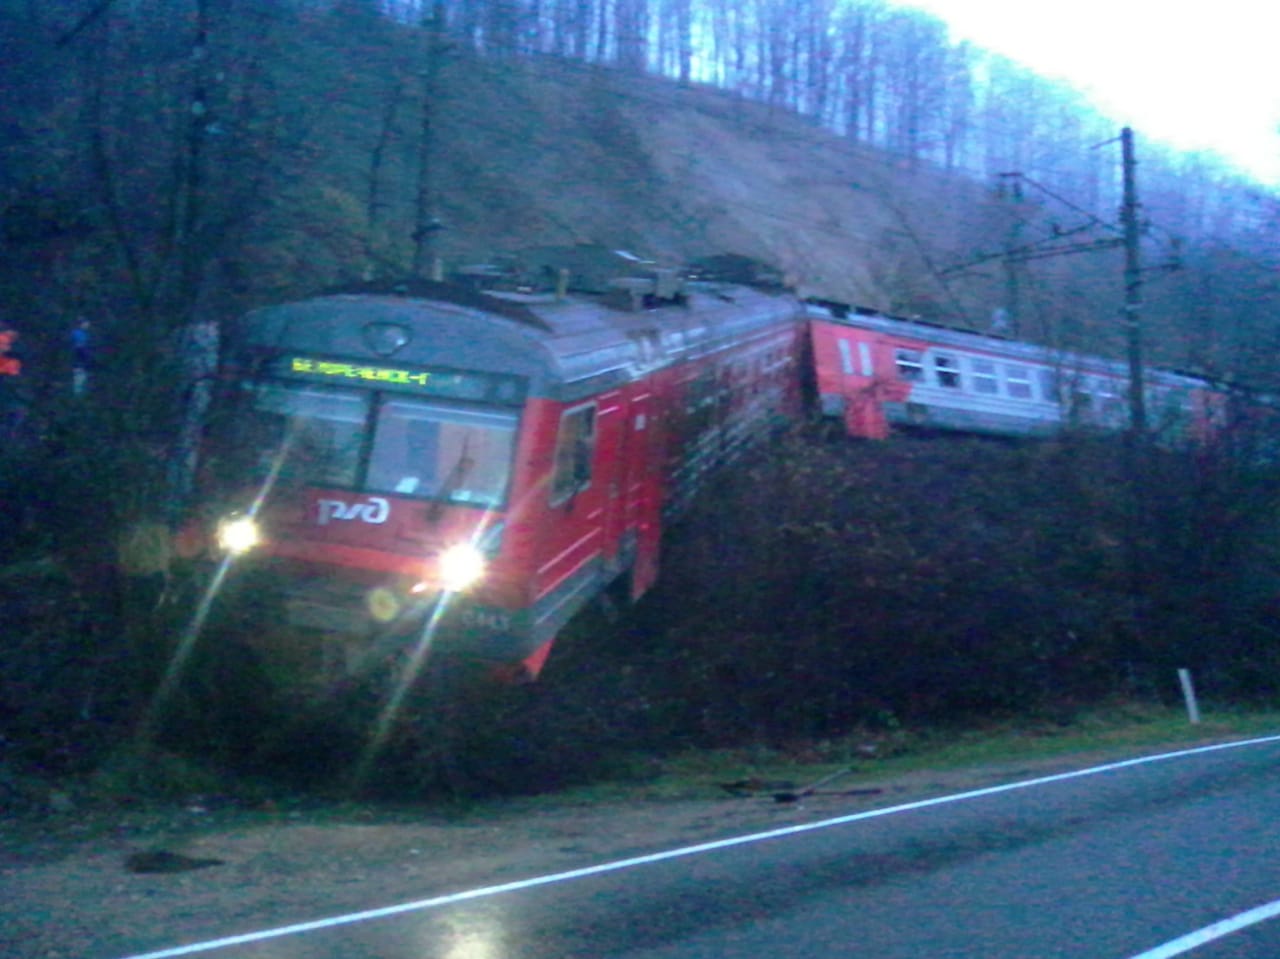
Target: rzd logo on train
373 510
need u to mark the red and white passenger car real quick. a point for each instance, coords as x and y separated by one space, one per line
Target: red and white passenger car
876 373
471 468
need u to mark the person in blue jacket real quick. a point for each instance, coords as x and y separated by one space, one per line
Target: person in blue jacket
81 355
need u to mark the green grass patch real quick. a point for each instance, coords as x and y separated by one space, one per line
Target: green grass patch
875 755
1009 748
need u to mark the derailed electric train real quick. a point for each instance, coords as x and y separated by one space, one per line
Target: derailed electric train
471 468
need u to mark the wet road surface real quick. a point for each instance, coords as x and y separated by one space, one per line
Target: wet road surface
1122 861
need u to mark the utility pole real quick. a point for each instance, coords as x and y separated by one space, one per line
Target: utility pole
1012 243
426 261
1132 288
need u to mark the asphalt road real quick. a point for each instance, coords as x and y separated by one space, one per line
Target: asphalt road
1129 860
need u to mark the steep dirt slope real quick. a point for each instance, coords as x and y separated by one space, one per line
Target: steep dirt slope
565 153
548 152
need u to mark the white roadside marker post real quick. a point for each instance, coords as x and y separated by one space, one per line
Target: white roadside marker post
1189 695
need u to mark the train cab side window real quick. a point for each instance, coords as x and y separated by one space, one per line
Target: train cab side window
575 450
948 371
984 377
910 365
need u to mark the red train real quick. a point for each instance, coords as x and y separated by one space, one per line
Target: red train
479 465
472 467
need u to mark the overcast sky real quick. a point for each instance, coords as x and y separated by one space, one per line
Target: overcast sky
1194 76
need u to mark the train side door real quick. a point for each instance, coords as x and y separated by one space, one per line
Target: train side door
861 383
642 469
577 495
640 492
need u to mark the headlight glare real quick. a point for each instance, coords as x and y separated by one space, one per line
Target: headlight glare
238 534
461 565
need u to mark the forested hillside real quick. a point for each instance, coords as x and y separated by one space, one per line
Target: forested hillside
169 164
174 161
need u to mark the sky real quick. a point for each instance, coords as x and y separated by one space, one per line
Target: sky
1190 75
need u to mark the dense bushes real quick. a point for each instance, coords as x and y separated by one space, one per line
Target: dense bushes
824 585
831 583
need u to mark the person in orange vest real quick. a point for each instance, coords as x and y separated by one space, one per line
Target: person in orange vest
12 408
9 365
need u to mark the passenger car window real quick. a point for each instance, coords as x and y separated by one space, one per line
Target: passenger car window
1017 380
910 364
984 377
947 369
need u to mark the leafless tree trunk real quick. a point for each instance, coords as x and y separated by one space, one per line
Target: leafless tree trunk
189 221
915 52
959 106
603 17
502 23
580 27
675 38
374 202
774 21
858 70
631 27
819 59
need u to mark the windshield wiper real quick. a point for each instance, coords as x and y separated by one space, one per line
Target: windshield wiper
453 479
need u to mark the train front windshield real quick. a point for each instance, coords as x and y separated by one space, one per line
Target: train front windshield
384 443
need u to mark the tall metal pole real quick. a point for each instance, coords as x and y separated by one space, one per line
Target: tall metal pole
426 223
1132 288
1136 447
1012 242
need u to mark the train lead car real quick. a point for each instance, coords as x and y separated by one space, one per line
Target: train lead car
474 467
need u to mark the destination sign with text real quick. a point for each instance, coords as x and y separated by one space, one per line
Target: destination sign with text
490 387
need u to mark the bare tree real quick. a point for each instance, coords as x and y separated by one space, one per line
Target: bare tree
859 68
774 42
675 38
503 21
630 34
818 51
375 200
569 25
959 92
914 52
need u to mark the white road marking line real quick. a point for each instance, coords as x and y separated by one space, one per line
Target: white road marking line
1216 930
620 864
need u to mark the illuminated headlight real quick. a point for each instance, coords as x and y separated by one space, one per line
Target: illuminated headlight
461 565
238 534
